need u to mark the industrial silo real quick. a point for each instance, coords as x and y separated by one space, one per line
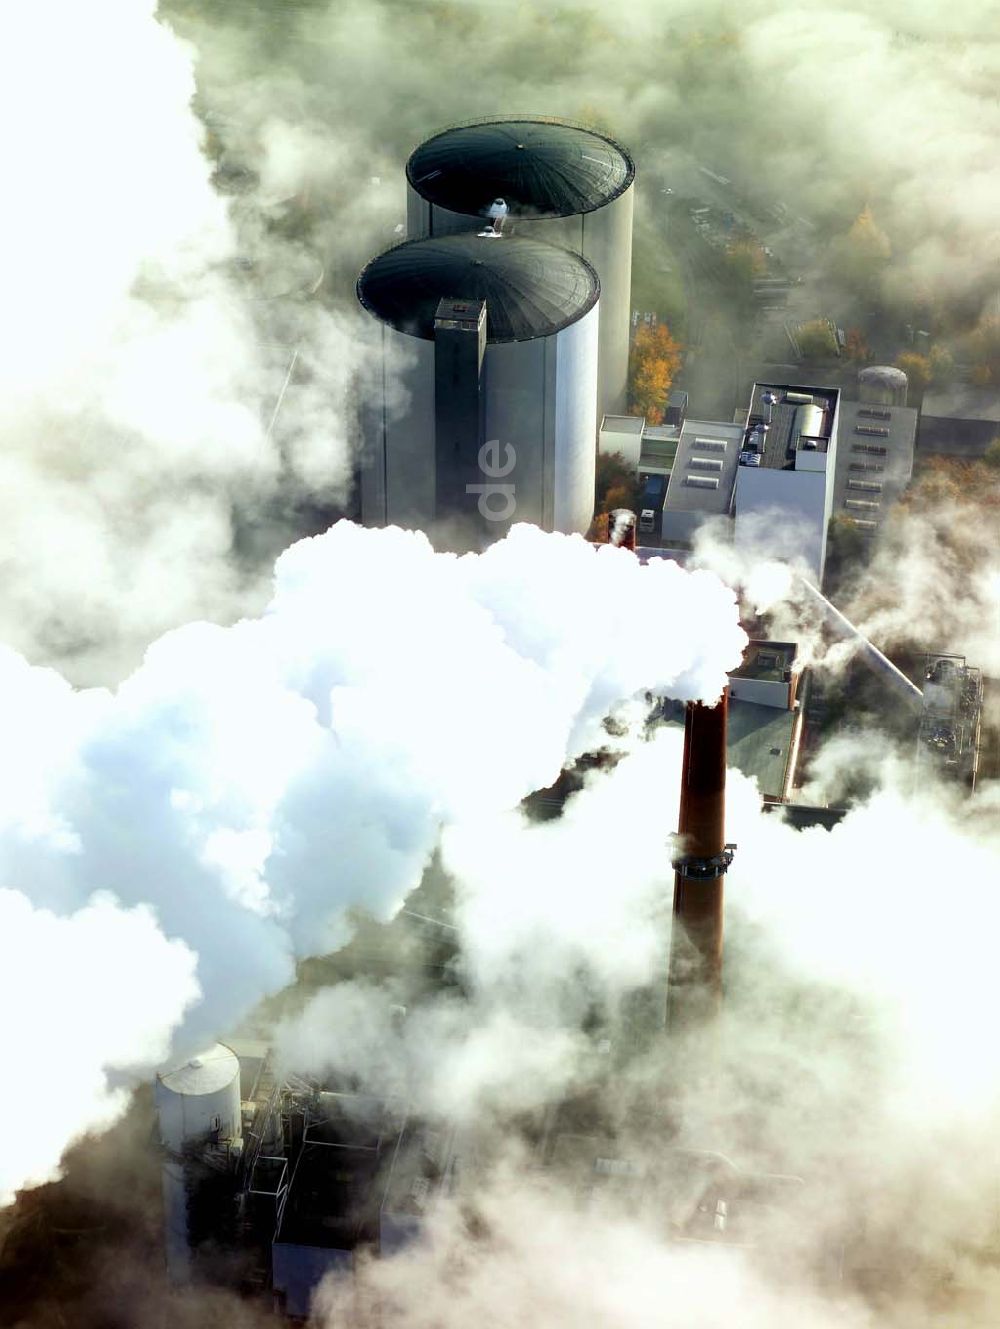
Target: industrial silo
200 1125
882 385
483 409
560 183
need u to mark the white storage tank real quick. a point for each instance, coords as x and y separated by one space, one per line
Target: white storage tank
882 385
558 182
200 1100
494 343
198 1109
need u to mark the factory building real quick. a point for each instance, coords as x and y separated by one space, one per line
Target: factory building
796 457
287 1179
548 181
492 344
649 449
786 471
874 461
701 478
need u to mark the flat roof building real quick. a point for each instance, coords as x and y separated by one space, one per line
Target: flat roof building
784 484
874 461
961 421
701 478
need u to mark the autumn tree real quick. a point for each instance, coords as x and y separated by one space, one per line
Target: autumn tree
655 359
917 368
863 252
857 348
942 365
617 483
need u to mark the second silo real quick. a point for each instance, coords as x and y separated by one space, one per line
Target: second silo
560 183
494 345
882 385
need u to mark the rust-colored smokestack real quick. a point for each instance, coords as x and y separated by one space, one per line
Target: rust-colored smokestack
695 982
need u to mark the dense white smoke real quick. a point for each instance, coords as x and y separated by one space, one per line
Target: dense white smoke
251 784
854 1050
524 1253
136 391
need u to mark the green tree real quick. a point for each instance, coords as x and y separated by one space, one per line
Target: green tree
817 340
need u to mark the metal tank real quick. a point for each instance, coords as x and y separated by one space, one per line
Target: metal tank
483 408
558 182
198 1110
882 385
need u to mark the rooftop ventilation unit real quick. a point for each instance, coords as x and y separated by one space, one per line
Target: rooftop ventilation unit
861 504
702 481
873 449
705 463
875 412
876 431
866 466
711 444
869 486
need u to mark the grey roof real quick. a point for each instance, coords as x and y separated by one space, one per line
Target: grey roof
540 168
859 458
530 289
686 493
963 402
623 424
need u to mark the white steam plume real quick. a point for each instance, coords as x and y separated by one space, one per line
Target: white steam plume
135 388
251 784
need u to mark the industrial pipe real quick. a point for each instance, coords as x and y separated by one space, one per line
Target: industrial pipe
694 986
871 655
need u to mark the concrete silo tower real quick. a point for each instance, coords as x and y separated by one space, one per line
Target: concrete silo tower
484 412
559 183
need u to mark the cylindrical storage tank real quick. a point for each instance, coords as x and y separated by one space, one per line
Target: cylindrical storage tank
561 183
463 442
197 1104
882 385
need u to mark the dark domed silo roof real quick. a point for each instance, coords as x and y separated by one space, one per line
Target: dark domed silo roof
541 168
531 289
